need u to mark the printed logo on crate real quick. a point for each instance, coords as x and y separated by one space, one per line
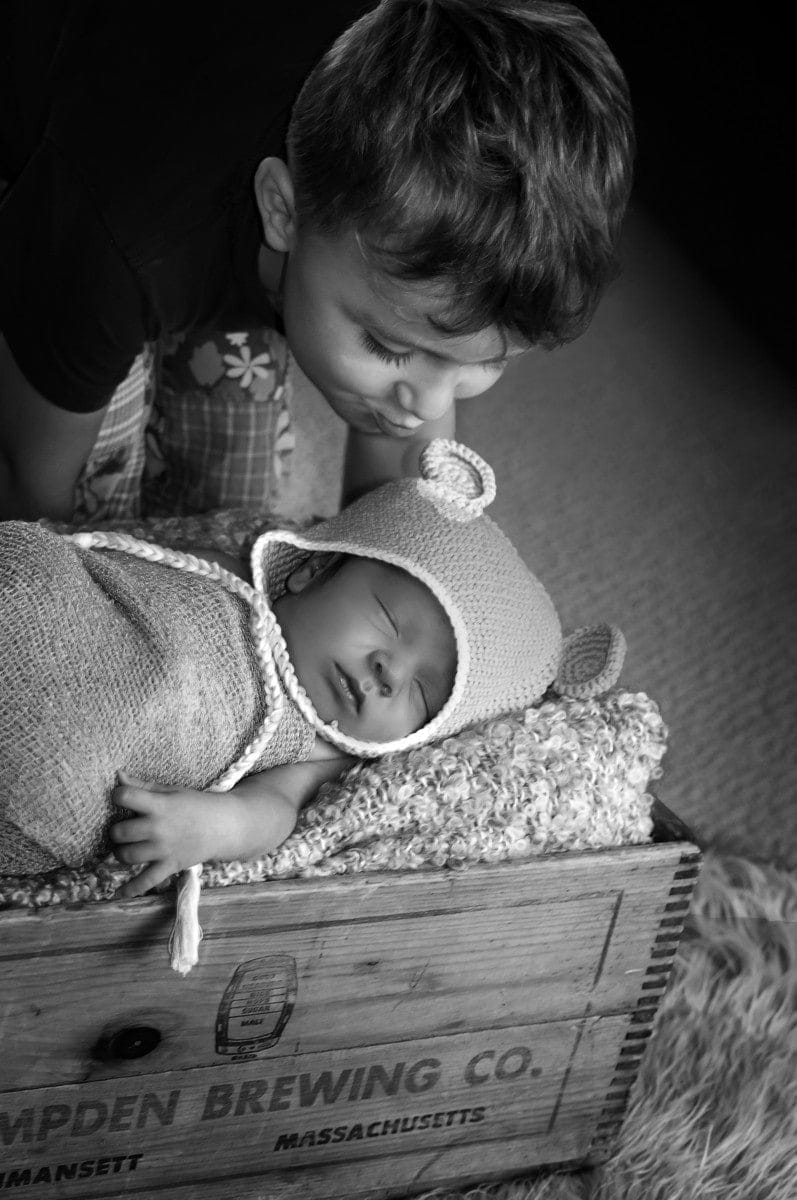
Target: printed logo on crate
256 1006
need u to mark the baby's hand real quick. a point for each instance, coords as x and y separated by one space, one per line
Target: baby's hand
174 830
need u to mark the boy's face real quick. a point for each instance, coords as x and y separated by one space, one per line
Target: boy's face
370 645
367 342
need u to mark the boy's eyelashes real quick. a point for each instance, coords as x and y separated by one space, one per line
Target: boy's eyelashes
389 356
396 359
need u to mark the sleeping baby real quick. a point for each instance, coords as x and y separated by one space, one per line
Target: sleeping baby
209 705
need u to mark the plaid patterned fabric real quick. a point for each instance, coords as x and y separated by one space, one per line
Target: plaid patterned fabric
200 423
109 486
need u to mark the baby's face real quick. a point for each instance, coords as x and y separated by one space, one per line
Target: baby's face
371 646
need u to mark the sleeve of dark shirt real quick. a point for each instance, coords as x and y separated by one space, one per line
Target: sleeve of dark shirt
72 311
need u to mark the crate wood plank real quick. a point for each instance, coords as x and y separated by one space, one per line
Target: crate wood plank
358 1036
367 1116
377 959
308 901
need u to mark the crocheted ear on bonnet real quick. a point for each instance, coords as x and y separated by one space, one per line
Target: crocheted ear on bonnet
457 480
591 662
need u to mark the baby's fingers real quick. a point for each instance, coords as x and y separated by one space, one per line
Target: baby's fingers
150 877
140 797
149 788
136 852
136 829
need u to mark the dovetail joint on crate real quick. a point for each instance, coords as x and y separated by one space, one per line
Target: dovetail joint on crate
653 988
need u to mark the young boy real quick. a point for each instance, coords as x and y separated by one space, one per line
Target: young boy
405 618
448 193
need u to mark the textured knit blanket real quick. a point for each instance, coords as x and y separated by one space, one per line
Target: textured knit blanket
567 775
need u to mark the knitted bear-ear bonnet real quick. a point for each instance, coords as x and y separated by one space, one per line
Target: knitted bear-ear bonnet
509 642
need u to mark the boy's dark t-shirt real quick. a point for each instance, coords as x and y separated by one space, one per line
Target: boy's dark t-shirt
131 133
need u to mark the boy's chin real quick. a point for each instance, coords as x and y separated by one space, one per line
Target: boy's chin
361 419
367 420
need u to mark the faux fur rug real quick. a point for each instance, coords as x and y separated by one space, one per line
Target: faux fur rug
713 1115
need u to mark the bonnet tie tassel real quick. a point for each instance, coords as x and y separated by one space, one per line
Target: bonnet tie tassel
186 931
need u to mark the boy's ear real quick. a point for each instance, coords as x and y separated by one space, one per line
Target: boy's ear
274 196
315 569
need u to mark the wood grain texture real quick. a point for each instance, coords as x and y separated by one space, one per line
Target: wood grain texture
339 1035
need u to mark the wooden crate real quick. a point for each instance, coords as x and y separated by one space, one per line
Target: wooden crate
342 1037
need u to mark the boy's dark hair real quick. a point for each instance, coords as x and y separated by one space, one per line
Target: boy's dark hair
483 144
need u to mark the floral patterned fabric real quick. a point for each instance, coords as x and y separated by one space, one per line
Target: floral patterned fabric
220 432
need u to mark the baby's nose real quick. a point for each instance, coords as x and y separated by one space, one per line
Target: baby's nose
384 674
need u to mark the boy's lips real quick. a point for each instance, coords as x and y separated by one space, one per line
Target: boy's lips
406 428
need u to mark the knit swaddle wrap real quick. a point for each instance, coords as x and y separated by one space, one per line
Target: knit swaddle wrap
111 662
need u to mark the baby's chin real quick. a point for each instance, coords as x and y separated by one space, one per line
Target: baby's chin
362 733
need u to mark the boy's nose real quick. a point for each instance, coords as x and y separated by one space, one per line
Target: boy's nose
428 401
431 396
